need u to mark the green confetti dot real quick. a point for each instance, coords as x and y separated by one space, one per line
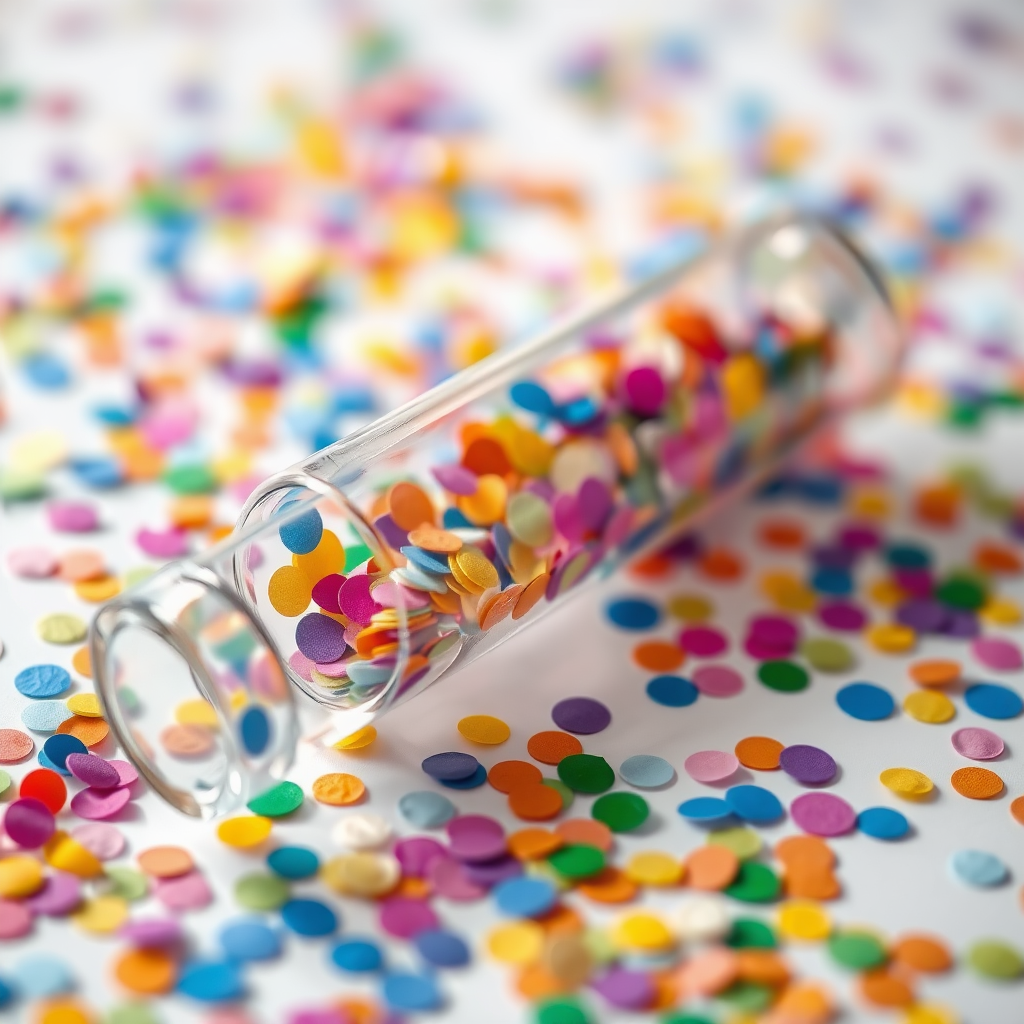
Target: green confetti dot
60 628
961 591
994 959
577 861
586 773
127 883
261 892
685 1018
132 1013
750 933
5 781
744 842
281 799
190 478
621 812
748 997
21 484
567 795
355 555
755 883
561 1011
860 951
785 676
827 655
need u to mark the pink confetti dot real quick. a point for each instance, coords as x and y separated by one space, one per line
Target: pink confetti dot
823 814
186 892
103 841
449 880
171 543
717 680
404 917
997 654
976 743
355 600
126 772
711 765
32 563
97 804
72 516
15 920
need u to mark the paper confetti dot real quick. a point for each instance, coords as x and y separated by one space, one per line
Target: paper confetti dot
978 868
646 771
484 729
865 702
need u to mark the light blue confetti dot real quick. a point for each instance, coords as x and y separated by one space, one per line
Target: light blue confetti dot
211 981
978 868
6 994
45 762
45 715
411 992
525 897
41 976
42 681
426 809
704 809
646 771
249 938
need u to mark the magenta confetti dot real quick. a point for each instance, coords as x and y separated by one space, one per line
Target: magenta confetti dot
859 537
976 743
103 841
568 517
29 823
807 764
717 680
15 920
996 653
356 602
823 814
171 543
186 892
644 390
625 989
72 516
152 933
582 716
98 804
456 479
843 616
94 771
703 641
774 629
320 638
126 772
711 765
596 503
761 650
32 563
916 582
475 837
325 593
404 917
60 895
417 854
449 880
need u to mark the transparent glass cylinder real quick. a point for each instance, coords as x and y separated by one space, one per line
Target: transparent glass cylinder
406 550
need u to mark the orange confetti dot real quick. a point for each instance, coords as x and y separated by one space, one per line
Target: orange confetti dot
165 861
609 885
536 982
781 533
720 564
338 789
992 556
938 505
586 832
485 455
976 783
759 752
506 776
1017 809
762 967
811 851
551 746
658 656
532 593
535 802
410 506
534 843
91 731
923 953
81 662
883 988
652 567
560 920
84 564
430 538
935 672
146 972
711 868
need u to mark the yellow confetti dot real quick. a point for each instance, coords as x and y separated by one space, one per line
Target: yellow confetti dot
891 638
191 511
487 506
326 558
61 628
85 704
20 876
931 1013
475 567
485 729
906 782
930 706
690 607
102 915
67 854
244 832
642 931
744 842
81 662
742 383
519 943
804 921
289 591
338 789
1001 611
362 874
64 1011
197 712
40 452
99 590
788 592
886 592
358 740
654 868
870 502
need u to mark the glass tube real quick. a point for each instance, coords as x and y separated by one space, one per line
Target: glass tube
386 561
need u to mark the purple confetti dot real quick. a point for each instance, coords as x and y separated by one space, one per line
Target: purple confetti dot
843 616
581 715
596 503
923 615
859 537
493 871
417 854
456 479
450 766
320 638
61 893
152 933
810 765
474 837
823 814
625 989
94 771
961 624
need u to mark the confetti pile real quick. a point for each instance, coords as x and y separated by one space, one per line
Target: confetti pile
767 776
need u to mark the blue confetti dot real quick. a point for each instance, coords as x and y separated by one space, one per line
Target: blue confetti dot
990 700
303 533
529 395
45 762
908 556
978 868
309 917
60 745
525 897
249 938
98 473
211 981
41 976
424 560
477 779
293 862
254 729
411 992
42 681
453 519
426 809
442 949
818 488
866 702
633 613
833 581
754 804
672 691
46 371
357 956
6 994
451 765
882 823
704 808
